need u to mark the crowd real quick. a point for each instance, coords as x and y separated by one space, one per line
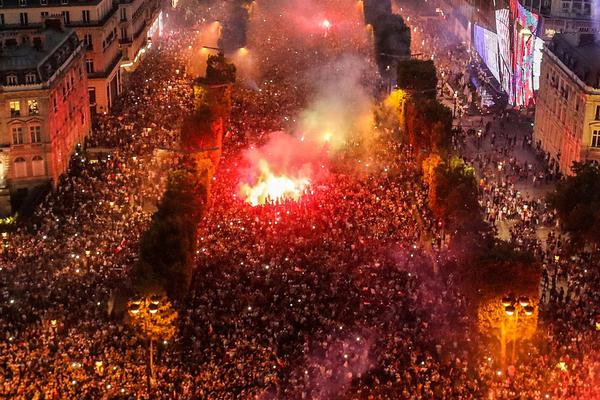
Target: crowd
60 268
331 296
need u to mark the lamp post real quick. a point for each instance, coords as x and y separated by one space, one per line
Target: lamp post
513 308
144 313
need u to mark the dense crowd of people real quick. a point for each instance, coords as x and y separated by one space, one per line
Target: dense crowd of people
330 296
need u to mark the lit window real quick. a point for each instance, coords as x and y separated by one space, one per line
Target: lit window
36 134
17 133
32 107
15 109
596 139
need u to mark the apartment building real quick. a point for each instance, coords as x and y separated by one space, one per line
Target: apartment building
567 120
44 106
114 32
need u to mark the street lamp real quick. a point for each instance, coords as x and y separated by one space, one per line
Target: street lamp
154 319
144 310
513 307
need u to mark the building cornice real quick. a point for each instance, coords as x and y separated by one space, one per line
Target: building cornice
585 87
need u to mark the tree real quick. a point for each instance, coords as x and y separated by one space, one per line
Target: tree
453 196
168 247
577 203
219 70
153 319
417 76
374 9
392 39
428 124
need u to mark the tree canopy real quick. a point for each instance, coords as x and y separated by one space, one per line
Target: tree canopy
429 124
219 70
417 76
577 203
392 38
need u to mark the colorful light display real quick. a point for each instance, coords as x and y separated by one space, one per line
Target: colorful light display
486 44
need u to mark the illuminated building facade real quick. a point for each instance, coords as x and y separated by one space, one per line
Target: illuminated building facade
509 35
114 34
567 120
44 107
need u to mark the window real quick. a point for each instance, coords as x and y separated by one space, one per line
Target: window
92 95
597 113
22 2
87 41
23 18
32 107
85 15
35 132
30 78
17 134
566 6
11 80
44 2
89 66
1 19
123 14
596 139
20 167
37 163
66 17
44 15
15 109
64 1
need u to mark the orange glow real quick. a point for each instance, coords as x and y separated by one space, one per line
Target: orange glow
271 188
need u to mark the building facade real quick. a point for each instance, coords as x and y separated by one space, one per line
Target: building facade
567 120
114 34
44 106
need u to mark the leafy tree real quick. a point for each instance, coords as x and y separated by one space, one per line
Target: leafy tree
429 124
453 196
374 9
392 39
168 247
219 70
577 203
417 76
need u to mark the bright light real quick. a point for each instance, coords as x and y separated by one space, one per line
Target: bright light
271 188
326 24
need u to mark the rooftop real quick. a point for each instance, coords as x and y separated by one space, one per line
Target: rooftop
25 56
48 3
34 57
580 53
